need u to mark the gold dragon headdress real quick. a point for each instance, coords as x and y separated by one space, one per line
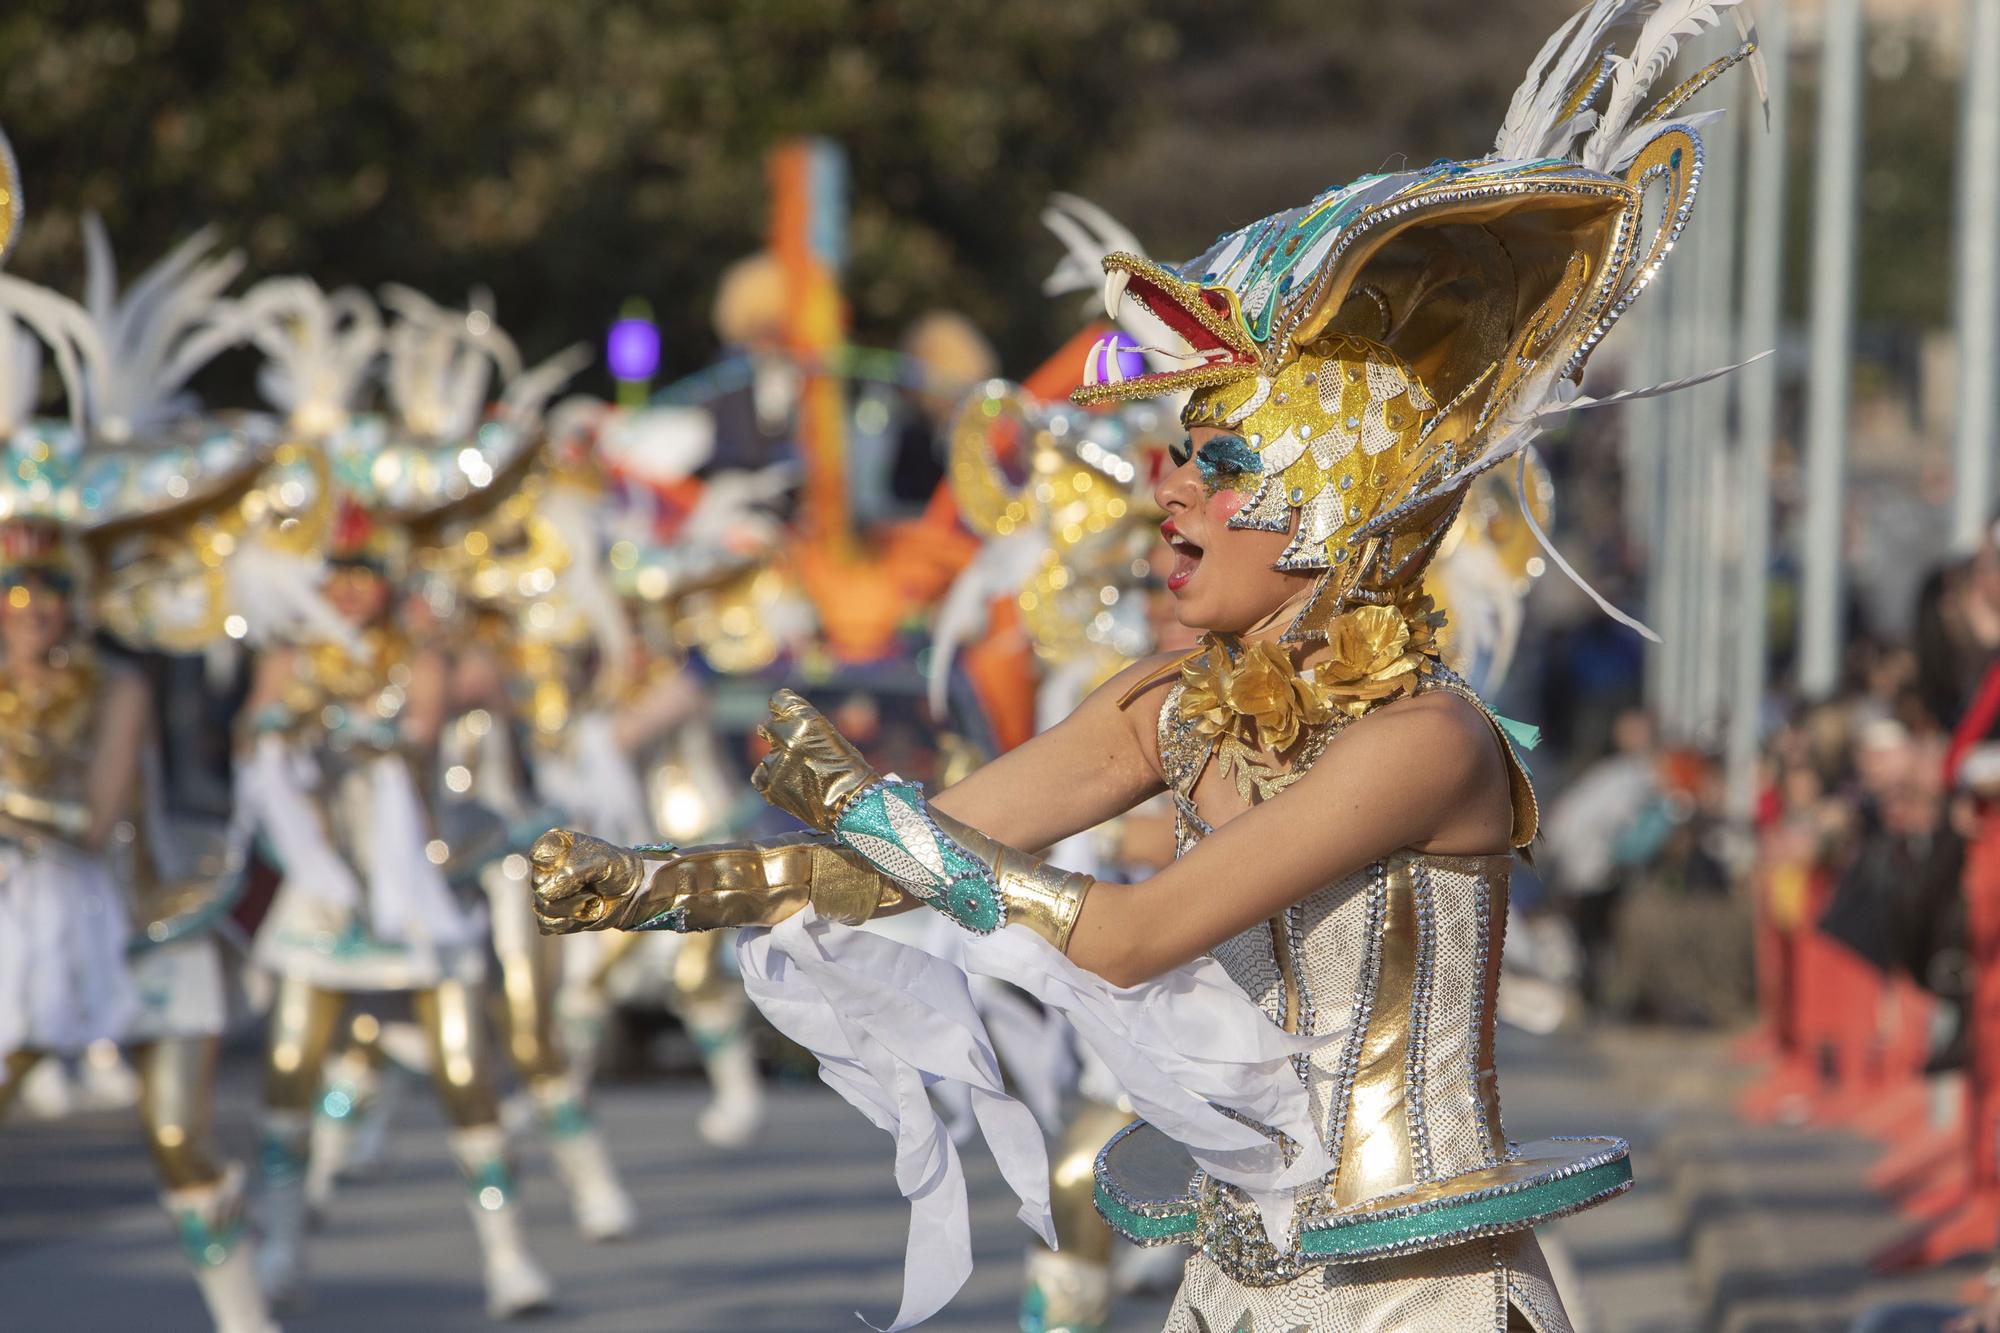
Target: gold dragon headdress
1381 346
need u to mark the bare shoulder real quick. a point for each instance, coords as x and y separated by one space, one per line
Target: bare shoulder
1139 692
1440 734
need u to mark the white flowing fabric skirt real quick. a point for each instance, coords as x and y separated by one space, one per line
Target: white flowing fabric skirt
63 977
181 990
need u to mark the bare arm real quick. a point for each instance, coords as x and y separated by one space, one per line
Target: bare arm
427 699
267 691
1423 774
660 707
477 681
1098 762
122 729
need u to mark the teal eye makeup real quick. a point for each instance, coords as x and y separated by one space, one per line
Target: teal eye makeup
1226 463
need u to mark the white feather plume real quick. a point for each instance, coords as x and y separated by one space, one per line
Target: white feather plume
528 392
1002 568
69 333
1532 127
277 592
317 347
20 374
156 335
441 361
1088 233
1635 73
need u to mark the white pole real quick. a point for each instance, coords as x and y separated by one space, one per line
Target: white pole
1717 213
1763 290
1978 276
1832 338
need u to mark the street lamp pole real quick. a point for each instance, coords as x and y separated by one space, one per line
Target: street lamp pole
1832 347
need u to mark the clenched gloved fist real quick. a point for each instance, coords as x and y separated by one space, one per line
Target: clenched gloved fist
812 772
585 883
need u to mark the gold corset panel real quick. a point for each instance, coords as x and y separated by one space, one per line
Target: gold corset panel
1403 956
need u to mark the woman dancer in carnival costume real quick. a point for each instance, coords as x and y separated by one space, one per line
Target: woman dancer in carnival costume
517 568
696 583
132 475
1347 809
340 736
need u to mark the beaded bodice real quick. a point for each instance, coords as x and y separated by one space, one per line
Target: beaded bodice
45 730
347 703
1402 957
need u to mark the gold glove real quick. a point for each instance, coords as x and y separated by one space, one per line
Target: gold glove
812 773
584 883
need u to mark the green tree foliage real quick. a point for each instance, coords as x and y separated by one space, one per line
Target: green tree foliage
571 154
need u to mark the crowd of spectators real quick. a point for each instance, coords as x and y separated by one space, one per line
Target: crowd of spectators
1866 803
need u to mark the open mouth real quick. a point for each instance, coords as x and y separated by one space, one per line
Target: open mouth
1204 318
1187 556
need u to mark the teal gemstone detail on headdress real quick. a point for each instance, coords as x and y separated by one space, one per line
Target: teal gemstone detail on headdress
890 826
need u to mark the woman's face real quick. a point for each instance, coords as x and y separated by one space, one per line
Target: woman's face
1221 578
358 593
34 618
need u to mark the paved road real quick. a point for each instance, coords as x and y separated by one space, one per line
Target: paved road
792 1237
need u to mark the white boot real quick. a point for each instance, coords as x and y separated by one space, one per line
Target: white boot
582 1015
735 1111
1065 1294
281 1207
515 1283
370 1141
603 1209
209 1221
351 1082
105 1082
46 1092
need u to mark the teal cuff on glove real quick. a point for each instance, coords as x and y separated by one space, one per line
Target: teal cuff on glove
890 824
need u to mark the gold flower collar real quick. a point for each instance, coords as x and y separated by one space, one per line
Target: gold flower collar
1251 701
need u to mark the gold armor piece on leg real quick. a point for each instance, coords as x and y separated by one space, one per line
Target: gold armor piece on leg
303 1019
18 1065
527 1009
1080 1229
177 1107
461 1066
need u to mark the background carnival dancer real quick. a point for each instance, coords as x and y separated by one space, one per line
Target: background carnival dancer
1354 365
338 741
517 572
82 956
692 551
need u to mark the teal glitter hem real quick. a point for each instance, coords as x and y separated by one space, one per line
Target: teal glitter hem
1499 1212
